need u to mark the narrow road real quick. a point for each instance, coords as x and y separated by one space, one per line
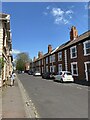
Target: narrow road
56 100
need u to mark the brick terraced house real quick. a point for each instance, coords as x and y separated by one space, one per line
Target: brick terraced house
5 48
73 56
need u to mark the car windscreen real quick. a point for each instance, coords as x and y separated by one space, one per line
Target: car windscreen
68 73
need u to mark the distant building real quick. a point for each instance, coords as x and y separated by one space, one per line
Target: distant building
27 66
73 56
5 47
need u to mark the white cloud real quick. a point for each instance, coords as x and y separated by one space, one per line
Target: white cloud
58 20
57 12
14 51
61 16
69 12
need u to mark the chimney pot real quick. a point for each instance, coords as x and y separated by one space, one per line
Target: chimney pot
40 54
49 48
73 33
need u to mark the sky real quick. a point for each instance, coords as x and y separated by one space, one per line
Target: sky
35 25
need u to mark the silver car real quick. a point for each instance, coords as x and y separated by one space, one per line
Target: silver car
37 73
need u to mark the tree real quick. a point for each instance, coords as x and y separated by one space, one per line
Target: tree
21 60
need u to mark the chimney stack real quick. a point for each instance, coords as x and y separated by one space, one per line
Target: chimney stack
49 48
40 54
73 33
34 59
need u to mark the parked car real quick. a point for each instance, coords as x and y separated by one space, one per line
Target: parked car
48 75
64 76
30 72
19 72
22 71
37 73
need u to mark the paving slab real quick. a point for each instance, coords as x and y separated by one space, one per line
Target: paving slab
12 103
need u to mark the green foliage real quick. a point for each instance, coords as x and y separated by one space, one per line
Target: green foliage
22 58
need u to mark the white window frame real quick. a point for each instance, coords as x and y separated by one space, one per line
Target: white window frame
54 67
60 56
86 73
50 68
74 63
59 66
46 68
46 60
53 58
75 51
85 54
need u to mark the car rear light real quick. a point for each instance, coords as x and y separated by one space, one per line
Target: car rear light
63 75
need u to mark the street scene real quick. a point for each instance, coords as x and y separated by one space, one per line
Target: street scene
56 100
44 60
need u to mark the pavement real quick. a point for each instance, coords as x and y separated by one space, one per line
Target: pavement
14 103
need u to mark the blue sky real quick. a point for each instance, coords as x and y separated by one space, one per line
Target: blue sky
34 25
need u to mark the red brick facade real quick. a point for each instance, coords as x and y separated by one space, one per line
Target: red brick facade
73 56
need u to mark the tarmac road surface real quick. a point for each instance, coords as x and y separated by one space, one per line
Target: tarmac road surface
56 100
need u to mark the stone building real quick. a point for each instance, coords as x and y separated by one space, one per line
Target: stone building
5 48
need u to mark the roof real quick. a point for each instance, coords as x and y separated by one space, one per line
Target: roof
4 16
79 39
47 54
67 44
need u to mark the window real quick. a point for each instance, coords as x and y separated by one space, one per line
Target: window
59 67
52 58
50 68
46 60
74 68
53 68
87 47
46 68
73 52
39 63
59 56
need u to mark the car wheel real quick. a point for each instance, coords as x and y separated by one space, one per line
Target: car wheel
61 80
